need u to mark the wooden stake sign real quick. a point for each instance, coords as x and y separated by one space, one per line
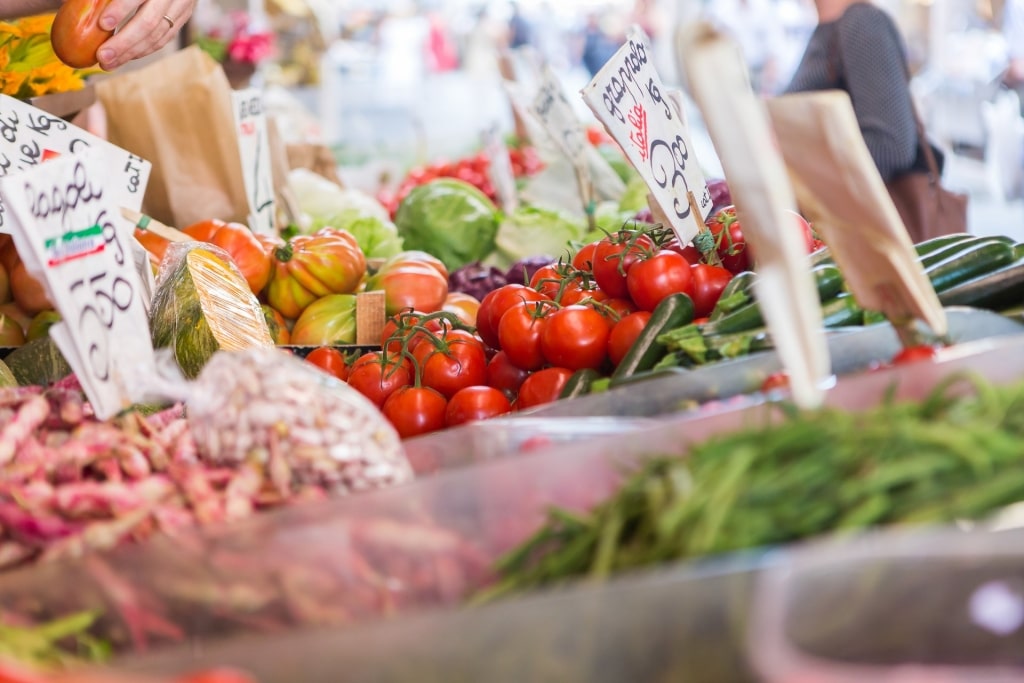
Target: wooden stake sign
739 128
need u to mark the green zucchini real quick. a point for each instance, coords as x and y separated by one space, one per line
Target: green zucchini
737 293
579 383
646 376
993 290
675 310
724 346
741 282
943 253
744 318
842 311
982 258
936 243
1018 250
828 280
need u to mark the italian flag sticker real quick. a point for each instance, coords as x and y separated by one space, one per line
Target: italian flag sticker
74 245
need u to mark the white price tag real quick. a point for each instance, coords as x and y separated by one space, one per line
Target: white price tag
628 97
500 169
30 136
65 225
556 114
254 148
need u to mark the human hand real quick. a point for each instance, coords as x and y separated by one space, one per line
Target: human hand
154 25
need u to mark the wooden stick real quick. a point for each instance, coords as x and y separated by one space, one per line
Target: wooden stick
144 222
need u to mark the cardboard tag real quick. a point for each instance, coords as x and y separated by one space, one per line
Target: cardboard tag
500 170
825 151
554 111
629 98
254 150
739 128
30 136
67 229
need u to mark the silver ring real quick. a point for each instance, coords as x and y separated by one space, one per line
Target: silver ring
169 20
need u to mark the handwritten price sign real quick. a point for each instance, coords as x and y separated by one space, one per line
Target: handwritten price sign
65 226
30 136
554 111
500 169
627 95
254 148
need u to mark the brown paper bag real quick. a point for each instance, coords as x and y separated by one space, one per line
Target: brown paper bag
315 158
176 113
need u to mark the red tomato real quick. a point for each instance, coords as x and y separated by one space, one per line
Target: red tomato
458 362
476 403
730 244
575 337
519 333
377 380
494 305
776 380
548 280
805 230
613 259
653 279
503 375
578 292
219 675
688 251
543 386
616 308
415 410
330 360
624 334
584 258
912 354
708 283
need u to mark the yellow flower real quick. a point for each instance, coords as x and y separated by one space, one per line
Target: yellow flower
28 65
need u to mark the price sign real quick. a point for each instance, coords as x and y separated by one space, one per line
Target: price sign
500 169
64 224
254 148
629 98
556 114
30 136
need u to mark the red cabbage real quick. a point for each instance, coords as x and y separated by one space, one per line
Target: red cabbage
476 279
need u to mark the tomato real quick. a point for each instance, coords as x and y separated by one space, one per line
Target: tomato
575 337
28 292
218 675
503 375
732 248
708 283
76 34
457 362
415 410
331 361
494 305
548 280
409 284
616 308
277 325
912 354
776 380
624 334
805 231
330 320
543 386
651 280
463 306
688 251
613 258
415 256
152 243
241 244
578 291
376 379
476 403
519 333
584 258
313 266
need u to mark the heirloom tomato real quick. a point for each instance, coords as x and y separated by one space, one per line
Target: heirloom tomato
241 245
277 325
330 320
312 266
410 284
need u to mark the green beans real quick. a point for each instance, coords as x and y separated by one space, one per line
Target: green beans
954 455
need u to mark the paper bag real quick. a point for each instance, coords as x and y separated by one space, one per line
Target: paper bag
176 113
316 158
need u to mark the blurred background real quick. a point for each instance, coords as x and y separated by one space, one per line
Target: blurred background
388 84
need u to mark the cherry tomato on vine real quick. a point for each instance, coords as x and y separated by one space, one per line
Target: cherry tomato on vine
624 334
687 251
575 337
548 280
730 244
459 361
330 360
476 403
494 305
613 258
415 410
708 283
519 333
543 386
376 379
652 279
615 308
502 374
584 258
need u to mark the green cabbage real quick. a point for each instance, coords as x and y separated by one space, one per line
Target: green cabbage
377 238
635 197
532 231
450 219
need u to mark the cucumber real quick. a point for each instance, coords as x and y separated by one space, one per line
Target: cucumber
935 243
741 282
993 290
737 293
1018 250
675 310
579 383
950 250
828 280
842 311
977 260
724 346
646 376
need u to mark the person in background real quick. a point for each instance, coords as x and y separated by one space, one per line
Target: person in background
520 33
154 25
598 46
1013 31
857 47
756 27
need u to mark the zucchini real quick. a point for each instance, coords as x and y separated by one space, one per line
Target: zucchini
979 259
950 250
675 310
936 243
828 280
646 376
725 346
1018 250
741 282
993 290
842 311
579 383
737 293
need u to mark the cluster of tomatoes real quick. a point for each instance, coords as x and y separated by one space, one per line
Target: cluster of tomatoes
473 169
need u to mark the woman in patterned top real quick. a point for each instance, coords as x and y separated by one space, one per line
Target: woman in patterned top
856 47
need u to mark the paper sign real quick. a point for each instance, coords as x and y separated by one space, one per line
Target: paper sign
30 136
785 288
555 112
65 225
822 144
628 97
499 169
254 148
